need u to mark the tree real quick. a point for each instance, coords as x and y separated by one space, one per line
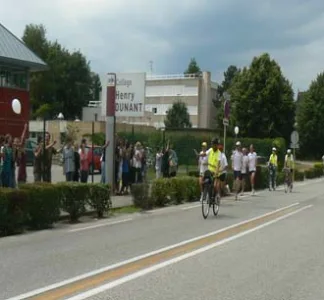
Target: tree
178 116
95 87
67 86
310 119
262 100
193 67
229 76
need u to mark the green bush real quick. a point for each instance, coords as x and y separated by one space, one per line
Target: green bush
43 204
160 192
99 198
310 174
74 197
177 190
299 175
13 211
141 196
192 188
184 141
319 169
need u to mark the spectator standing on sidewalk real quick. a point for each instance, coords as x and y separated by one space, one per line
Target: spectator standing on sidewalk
165 163
47 158
38 160
68 160
137 162
84 162
125 169
77 163
173 162
8 154
158 163
245 166
2 141
21 158
223 169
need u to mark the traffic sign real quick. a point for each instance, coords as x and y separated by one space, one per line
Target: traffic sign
225 122
226 109
294 137
294 146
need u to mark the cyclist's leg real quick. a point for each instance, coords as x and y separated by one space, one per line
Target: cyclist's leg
201 186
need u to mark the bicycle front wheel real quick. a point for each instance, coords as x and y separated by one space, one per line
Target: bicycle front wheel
216 205
205 203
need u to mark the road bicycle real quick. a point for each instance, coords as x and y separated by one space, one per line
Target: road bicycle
288 180
209 199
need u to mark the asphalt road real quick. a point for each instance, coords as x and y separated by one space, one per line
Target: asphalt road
265 247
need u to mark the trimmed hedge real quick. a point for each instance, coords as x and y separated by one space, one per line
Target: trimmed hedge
39 205
184 141
168 191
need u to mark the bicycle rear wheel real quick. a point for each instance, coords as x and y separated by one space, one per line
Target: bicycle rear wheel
205 203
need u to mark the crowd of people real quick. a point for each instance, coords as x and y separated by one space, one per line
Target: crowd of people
166 162
12 154
243 165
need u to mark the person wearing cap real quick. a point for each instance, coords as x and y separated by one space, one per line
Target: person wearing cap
237 163
202 165
252 167
244 171
273 163
289 163
223 168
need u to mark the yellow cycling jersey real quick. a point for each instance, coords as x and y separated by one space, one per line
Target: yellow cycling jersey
289 161
274 160
214 161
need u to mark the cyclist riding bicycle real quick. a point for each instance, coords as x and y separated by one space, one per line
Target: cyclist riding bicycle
273 165
289 163
214 157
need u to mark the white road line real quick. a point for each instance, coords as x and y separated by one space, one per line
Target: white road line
100 225
190 207
122 263
175 260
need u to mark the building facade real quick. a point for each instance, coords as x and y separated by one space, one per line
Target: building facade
16 63
198 92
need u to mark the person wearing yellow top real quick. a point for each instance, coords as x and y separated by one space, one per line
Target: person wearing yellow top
289 163
214 158
273 164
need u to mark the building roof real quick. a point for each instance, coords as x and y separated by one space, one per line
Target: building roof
14 51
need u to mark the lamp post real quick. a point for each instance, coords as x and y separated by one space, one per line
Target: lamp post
236 131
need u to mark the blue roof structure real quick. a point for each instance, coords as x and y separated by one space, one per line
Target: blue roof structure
14 51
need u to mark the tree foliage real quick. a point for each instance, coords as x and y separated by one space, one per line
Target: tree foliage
68 85
229 76
193 67
310 119
178 116
262 102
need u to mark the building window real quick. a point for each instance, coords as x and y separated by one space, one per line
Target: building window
154 110
13 78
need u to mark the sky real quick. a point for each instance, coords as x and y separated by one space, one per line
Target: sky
124 36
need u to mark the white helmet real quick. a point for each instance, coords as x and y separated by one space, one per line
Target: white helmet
274 149
289 151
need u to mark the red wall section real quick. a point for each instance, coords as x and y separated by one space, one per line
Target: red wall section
9 121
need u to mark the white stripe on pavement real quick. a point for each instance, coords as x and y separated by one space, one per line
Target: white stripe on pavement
122 263
100 225
175 260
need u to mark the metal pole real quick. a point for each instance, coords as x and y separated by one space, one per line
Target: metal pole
110 131
294 154
224 138
92 151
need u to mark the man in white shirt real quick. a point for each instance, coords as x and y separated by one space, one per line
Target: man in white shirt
202 165
252 167
244 172
237 162
223 168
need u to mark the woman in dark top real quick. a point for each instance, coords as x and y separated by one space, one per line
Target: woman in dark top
77 163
